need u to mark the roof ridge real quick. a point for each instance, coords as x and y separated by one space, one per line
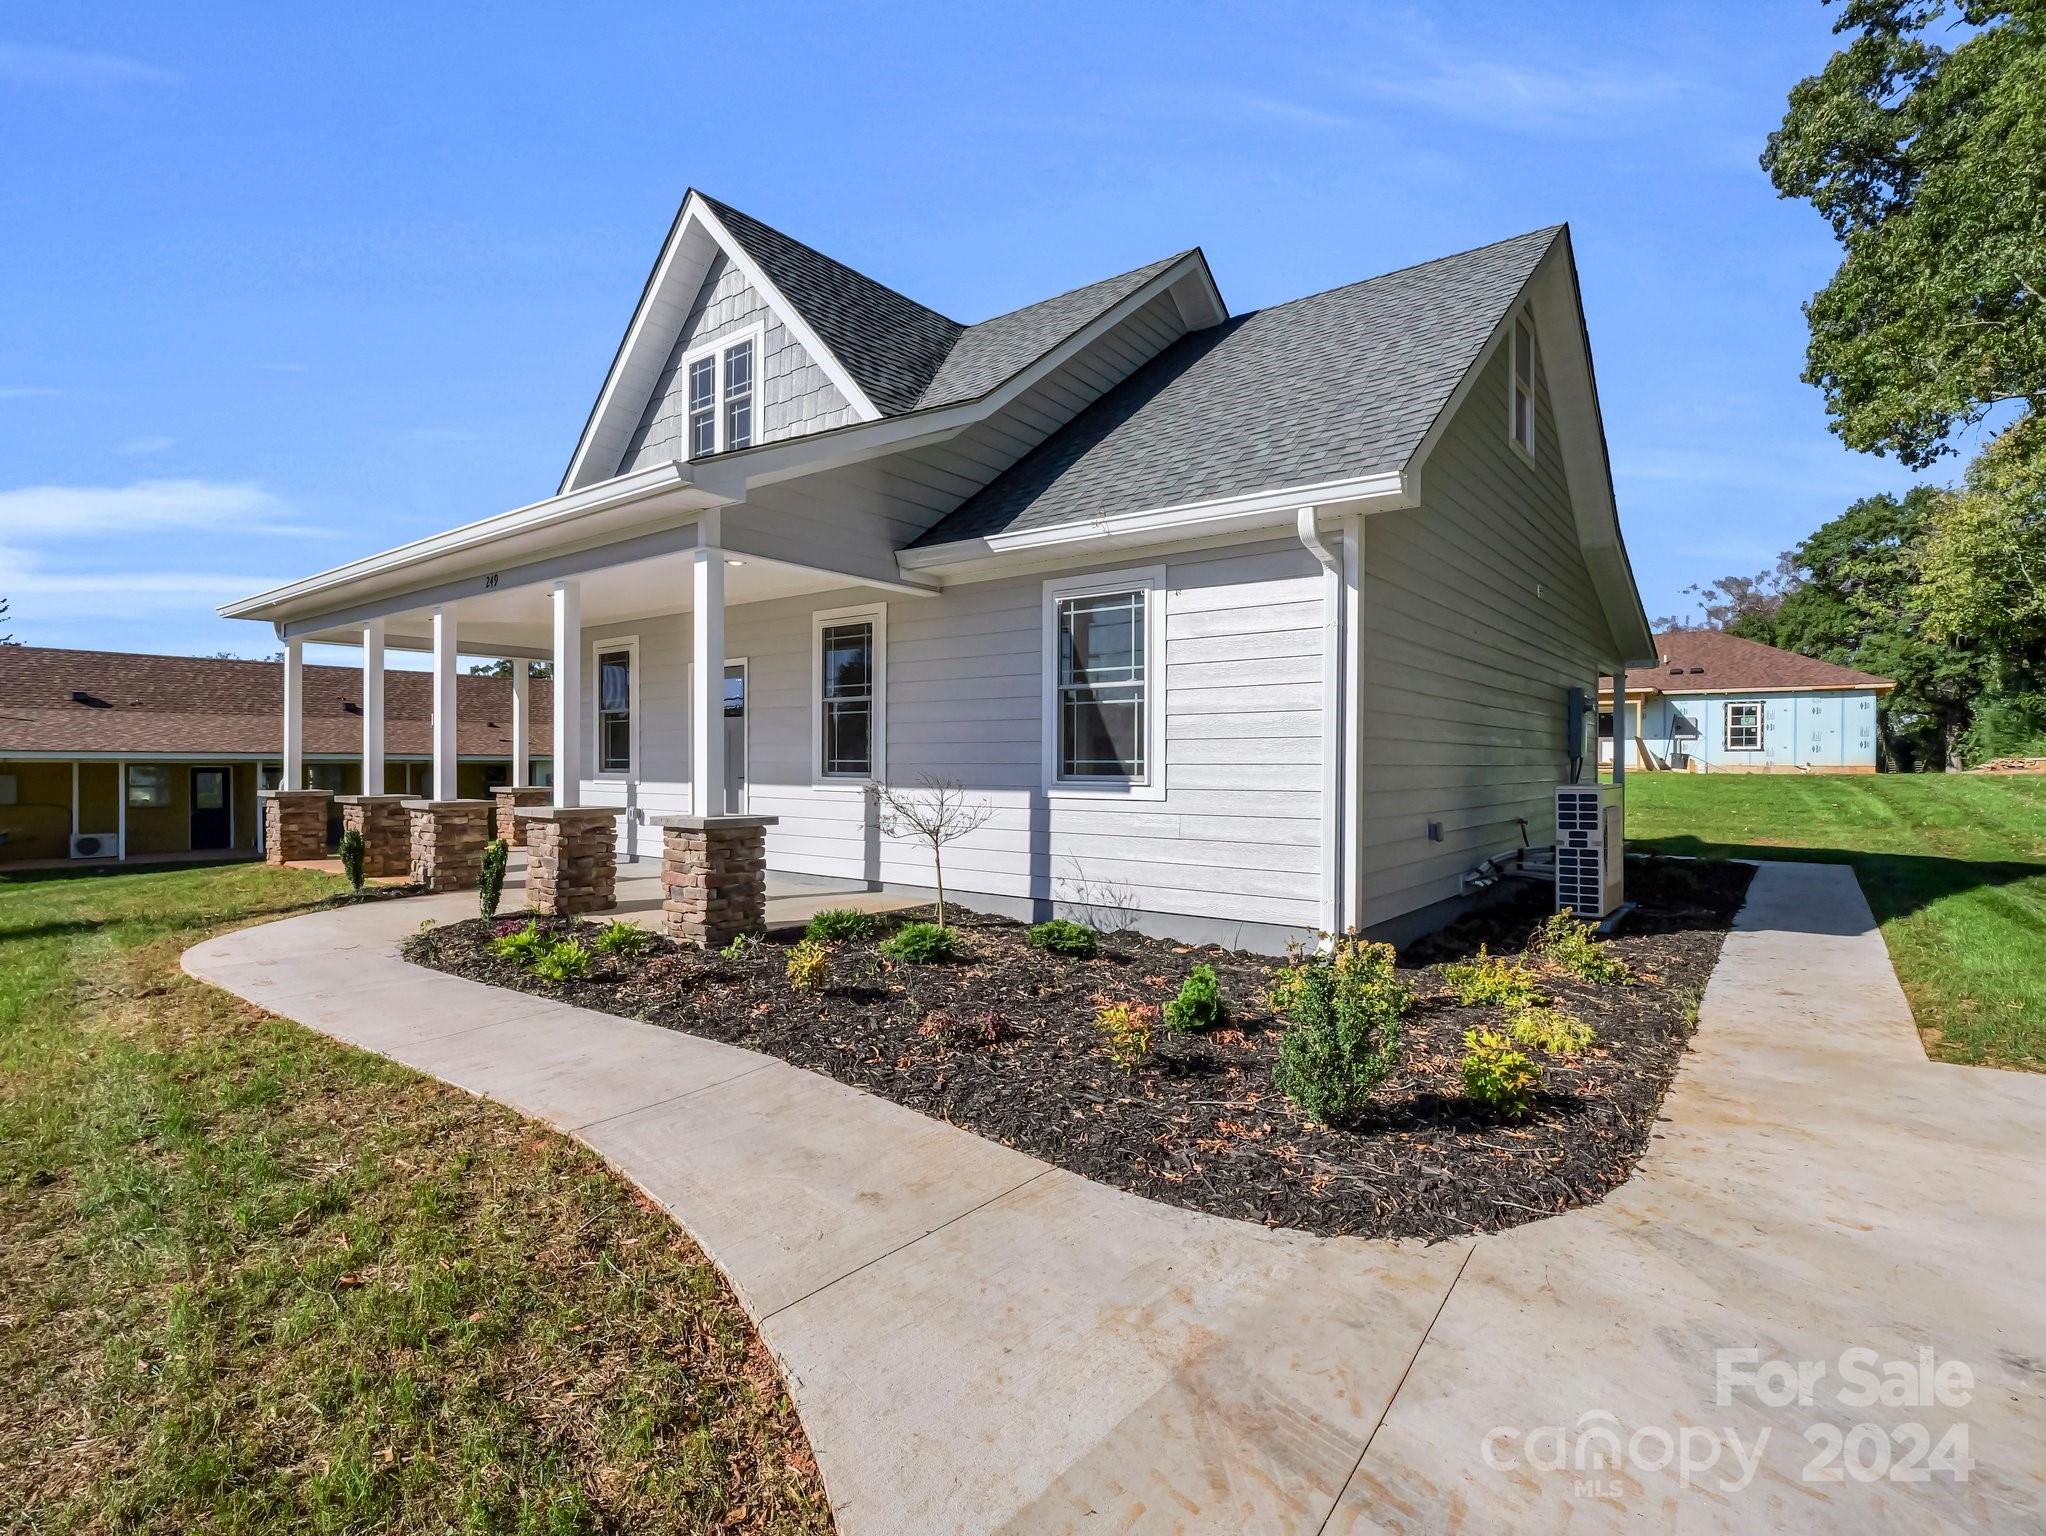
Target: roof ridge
1066 293
1412 266
721 208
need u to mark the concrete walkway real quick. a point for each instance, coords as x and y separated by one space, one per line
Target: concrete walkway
978 1342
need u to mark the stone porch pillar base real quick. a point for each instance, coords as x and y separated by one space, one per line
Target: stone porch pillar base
386 834
447 838
510 800
294 824
571 857
714 877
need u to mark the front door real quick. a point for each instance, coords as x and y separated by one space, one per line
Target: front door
735 738
212 820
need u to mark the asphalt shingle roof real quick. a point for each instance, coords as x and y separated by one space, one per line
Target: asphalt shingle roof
197 704
1712 661
890 344
1339 384
997 349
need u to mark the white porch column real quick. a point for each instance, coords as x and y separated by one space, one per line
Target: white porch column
568 694
121 813
444 672
707 693
522 736
1620 727
373 707
294 716
74 799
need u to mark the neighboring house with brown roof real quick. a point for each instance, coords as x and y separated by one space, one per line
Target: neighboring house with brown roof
164 754
1716 703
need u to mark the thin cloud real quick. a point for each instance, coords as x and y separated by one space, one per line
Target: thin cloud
115 592
72 68
139 447
27 392
232 508
1280 109
1523 99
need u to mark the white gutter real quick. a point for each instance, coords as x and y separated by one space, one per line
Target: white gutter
1341 642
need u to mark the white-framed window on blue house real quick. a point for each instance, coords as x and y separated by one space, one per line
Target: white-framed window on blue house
1743 726
719 382
1104 654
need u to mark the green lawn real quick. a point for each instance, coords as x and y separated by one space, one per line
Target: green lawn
1954 866
254 1281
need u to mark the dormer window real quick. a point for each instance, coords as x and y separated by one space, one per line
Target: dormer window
1521 417
719 379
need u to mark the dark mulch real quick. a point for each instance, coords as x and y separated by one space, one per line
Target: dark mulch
1004 1044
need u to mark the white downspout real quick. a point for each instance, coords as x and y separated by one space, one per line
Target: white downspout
1334 735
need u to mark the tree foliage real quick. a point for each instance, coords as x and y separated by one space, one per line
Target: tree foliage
1930 164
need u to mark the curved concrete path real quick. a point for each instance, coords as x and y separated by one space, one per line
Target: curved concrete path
979 1342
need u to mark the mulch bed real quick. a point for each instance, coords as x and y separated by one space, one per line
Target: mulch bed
1004 1044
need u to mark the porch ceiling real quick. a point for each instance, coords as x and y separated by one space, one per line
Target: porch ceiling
519 620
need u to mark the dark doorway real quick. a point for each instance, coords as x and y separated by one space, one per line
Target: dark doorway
212 818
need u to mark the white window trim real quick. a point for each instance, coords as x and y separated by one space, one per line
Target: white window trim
1761 725
1520 318
630 645
715 351
849 783
1150 580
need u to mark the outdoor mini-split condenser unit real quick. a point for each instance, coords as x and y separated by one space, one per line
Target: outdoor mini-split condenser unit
92 845
1591 849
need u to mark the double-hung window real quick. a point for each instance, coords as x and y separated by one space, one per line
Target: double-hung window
614 707
850 665
1521 399
1744 727
1103 700
718 385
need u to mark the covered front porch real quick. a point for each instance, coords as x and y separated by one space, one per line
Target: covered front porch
650 722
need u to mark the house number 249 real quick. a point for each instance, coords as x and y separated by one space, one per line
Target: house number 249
490 581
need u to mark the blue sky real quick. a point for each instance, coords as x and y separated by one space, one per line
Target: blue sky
285 285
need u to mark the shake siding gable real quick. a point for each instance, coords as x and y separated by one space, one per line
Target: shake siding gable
792 396
1479 612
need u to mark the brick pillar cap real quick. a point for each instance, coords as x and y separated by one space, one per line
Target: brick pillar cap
369 799
294 794
448 805
713 823
566 813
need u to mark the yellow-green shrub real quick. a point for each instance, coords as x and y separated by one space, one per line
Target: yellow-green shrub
1569 945
1490 980
1555 1030
1125 1032
1497 1076
806 966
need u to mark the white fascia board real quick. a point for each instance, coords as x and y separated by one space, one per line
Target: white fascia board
792 458
791 317
1190 520
469 537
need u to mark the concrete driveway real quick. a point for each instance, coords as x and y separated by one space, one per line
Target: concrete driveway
979 1342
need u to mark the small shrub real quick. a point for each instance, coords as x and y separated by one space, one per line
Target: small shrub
741 947
1199 1004
983 1027
835 925
618 937
1063 936
1490 981
564 960
1555 1030
352 852
490 883
806 967
1344 1034
1569 945
524 945
1125 1032
921 944
1283 991
1499 1077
